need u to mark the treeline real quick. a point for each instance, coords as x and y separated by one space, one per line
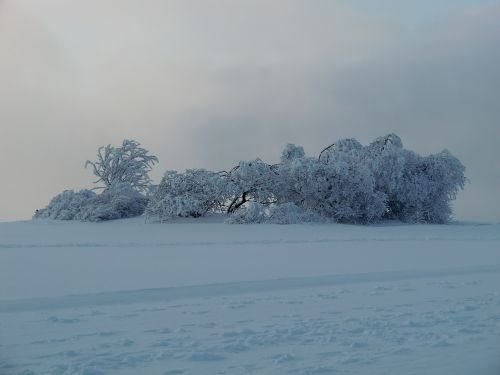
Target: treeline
347 183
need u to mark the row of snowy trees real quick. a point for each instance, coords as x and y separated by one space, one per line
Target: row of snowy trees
347 183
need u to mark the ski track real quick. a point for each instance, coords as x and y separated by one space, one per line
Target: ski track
237 243
209 290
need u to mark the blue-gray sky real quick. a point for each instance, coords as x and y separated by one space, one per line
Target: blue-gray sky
206 83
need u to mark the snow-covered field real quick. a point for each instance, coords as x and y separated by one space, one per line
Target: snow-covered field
205 297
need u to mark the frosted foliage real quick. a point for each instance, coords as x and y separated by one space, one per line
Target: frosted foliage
66 205
337 191
385 143
292 152
253 181
428 185
119 201
126 164
418 188
189 194
286 213
343 150
251 213
347 183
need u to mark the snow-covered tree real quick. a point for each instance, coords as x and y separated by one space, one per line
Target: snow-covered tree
251 181
418 188
426 188
126 164
189 194
124 173
337 190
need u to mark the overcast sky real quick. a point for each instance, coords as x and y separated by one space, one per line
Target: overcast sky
206 83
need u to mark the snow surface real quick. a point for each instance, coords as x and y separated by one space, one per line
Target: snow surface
204 297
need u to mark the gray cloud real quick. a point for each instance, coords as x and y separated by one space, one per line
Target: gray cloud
207 83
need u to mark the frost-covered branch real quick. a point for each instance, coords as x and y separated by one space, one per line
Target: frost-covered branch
126 164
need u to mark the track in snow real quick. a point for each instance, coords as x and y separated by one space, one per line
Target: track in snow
220 289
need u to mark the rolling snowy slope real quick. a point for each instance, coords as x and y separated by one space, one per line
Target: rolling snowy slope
203 297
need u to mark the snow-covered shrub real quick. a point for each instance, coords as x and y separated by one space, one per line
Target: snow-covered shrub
285 213
119 201
66 205
126 164
250 213
189 194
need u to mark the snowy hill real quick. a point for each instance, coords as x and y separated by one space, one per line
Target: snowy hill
204 297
